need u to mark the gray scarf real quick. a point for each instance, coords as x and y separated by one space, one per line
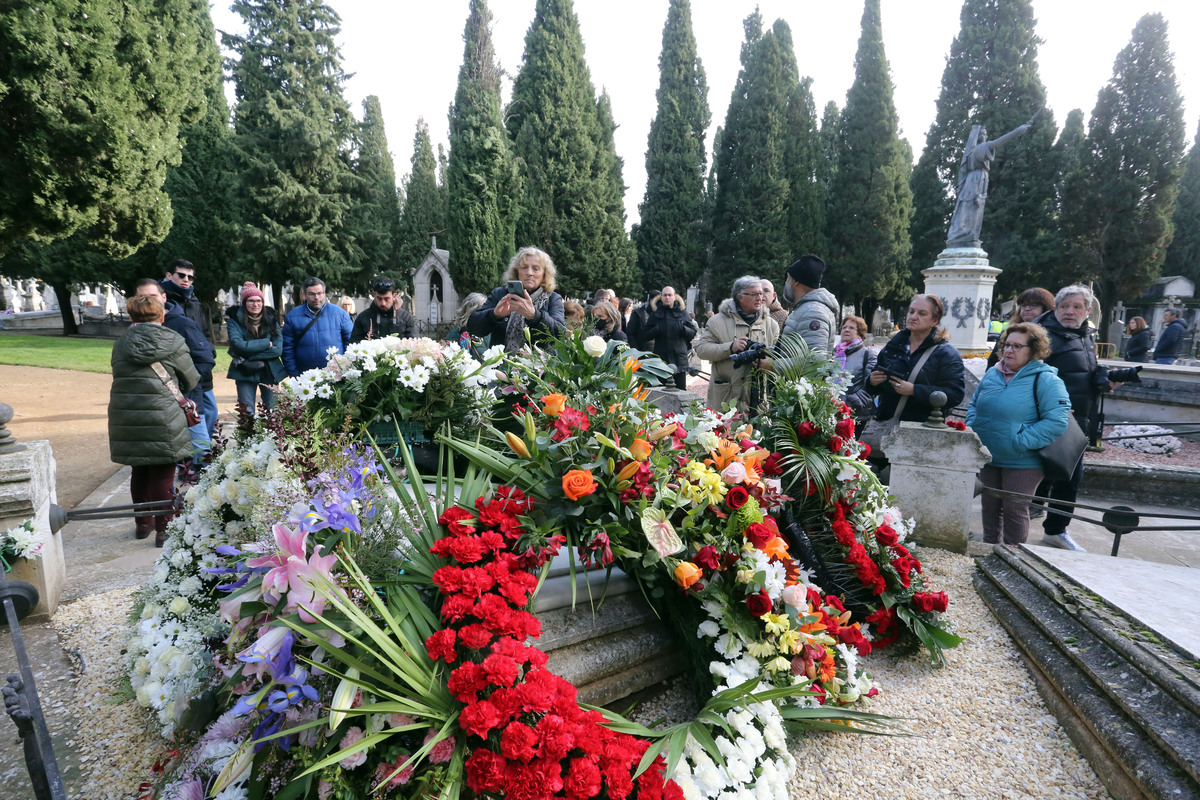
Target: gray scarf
514 334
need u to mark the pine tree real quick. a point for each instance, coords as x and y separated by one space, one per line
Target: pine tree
620 253
565 207
375 218
481 181
424 207
805 168
991 78
1183 256
1120 202
750 217
870 201
671 240
293 130
90 109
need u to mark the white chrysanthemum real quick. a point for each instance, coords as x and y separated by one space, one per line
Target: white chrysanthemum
709 628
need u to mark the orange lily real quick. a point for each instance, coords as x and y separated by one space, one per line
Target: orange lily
812 627
775 548
517 444
640 449
628 471
724 454
666 430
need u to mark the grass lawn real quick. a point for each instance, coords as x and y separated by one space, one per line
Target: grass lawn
79 353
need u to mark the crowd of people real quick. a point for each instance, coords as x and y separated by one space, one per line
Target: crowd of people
1043 370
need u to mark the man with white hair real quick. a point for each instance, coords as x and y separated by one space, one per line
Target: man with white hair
741 322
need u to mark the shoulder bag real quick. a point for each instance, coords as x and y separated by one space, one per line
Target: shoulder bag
875 430
1060 457
189 406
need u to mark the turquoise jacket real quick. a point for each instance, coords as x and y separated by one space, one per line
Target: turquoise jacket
1005 417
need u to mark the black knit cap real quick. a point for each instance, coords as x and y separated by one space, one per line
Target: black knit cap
808 270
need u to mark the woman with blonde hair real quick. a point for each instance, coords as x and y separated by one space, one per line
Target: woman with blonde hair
608 322
1138 347
526 301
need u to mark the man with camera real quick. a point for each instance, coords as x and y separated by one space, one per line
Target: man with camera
385 316
735 340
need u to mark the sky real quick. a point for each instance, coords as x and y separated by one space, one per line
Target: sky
408 52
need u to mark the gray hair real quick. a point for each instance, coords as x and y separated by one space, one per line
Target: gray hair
743 283
1089 299
470 304
549 273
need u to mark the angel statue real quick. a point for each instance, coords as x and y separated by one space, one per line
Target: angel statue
973 184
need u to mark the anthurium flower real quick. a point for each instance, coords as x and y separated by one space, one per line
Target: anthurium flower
640 449
553 404
687 573
578 483
661 534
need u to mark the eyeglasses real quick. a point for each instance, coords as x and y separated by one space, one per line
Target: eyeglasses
1011 346
383 287
752 294
185 276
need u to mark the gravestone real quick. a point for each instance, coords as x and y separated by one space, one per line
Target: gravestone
434 297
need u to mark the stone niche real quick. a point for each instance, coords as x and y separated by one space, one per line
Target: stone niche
434 297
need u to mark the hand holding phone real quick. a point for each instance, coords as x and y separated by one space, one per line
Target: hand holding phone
517 288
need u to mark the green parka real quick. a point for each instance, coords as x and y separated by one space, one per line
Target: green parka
146 426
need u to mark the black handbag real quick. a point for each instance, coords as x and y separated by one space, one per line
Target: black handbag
1060 457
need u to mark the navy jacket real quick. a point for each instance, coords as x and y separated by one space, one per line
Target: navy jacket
191 307
860 363
204 357
1073 354
1170 342
942 372
332 329
1138 346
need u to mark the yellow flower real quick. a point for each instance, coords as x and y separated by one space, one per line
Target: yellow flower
760 649
789 642
745 575
776 623
779 664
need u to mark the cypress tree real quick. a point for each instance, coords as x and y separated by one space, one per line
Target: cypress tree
565 207
831 121
805 169
750 217
375 218
481 180
1120 202
293 130
870 202
671 240
991 78
424 207
1183 256
91 101
618 251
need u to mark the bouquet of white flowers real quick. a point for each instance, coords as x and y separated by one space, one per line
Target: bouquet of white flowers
24 541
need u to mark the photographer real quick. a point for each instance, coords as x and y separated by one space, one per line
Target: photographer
526 300
741 322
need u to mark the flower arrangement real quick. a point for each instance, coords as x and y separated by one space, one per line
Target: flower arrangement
408 380
22 541
848 512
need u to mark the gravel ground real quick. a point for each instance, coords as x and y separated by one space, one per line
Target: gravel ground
981 729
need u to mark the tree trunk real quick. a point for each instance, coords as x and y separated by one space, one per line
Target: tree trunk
62 291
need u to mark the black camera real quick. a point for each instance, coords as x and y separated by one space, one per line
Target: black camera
1125 375
754 352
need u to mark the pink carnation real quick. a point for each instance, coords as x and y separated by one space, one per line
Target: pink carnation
353 737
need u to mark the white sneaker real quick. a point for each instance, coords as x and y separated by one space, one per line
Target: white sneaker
1062 540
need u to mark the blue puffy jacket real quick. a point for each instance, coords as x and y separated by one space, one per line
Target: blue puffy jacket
1005 416
332 329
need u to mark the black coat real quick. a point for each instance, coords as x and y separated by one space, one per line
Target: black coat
672 330
860 363
550 319
1170 341
190 305
204 356
373 323
1138 346
942 372
1073 354
635 327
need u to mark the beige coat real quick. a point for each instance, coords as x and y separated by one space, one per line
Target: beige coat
713 345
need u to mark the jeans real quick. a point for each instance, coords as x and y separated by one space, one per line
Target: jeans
246 392
210 413
1170 360
201 443
1009 514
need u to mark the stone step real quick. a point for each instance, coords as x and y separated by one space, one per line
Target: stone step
1129 700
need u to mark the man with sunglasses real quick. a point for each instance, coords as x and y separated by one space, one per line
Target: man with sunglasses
385 316
178 285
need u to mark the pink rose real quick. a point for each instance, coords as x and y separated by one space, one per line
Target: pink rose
734 474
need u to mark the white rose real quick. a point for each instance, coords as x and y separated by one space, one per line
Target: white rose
141 666
179 606
150 610
594 346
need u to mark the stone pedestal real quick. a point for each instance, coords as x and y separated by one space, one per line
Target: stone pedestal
673 401
26 492
963 279
933 479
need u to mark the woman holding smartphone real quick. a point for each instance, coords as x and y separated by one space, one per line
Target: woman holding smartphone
526 300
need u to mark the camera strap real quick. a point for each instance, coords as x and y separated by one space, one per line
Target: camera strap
912 378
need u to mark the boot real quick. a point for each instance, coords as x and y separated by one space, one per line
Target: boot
160 538
143 527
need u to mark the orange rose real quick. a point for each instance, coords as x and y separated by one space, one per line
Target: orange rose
577 483
640 449
553 404
687 573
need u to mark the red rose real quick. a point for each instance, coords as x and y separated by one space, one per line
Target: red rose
759 534
807 430
707 557
886 535
866 450
759 603
835 444
931 601
851 635
771 467
845 428
736 497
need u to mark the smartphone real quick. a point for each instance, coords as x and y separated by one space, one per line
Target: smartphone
516 287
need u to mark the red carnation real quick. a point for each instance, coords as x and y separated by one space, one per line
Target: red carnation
759 534
479 718
475 636
707 557
453 518
466 681
501 670
441 645
518 742
845 428
759 603
736 497
583 778
485 771
807 430
465 549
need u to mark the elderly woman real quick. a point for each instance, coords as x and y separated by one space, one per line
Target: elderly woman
741 321
1031 304
857 359
147 429
1073 354
534 306
914 364
256 344
1019 407
1137 349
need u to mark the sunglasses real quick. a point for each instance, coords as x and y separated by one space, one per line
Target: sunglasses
383 286
185 276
